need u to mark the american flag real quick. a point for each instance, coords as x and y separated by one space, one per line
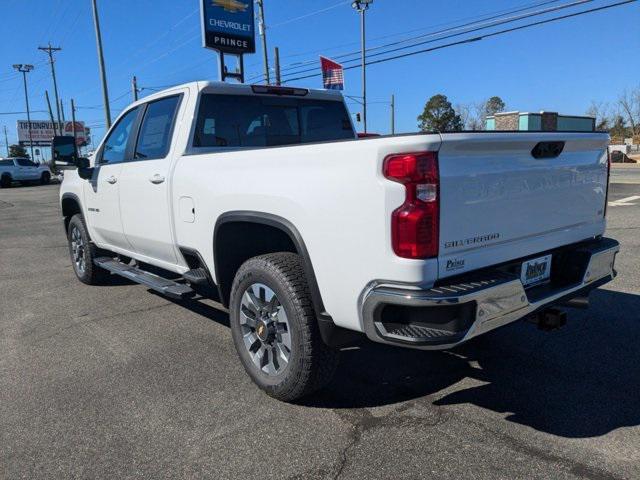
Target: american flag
332 74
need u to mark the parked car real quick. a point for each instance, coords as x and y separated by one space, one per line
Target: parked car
313 238
22 170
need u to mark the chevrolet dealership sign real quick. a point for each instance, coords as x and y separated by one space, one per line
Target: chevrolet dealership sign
228 26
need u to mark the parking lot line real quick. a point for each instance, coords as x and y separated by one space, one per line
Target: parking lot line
623 202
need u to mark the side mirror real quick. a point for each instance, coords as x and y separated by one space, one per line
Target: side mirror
84 168
64 152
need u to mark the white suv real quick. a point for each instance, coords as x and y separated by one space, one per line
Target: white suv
22 170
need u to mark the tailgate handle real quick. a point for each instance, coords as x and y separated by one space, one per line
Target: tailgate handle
547 150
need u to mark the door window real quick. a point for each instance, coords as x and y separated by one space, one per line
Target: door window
115 146
23 162
154 139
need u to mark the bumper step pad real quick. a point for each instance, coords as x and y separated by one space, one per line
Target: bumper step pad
416 333
197 276
155 282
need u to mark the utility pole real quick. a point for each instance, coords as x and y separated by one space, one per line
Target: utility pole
49 50
134 88
24 69
277 60
64 120
263 34
393 114
103 74
362 6
6 139
73 121
55 127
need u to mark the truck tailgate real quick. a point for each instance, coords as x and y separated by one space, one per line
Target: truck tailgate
498 202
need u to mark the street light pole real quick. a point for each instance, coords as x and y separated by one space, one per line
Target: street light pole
24 69
362 6
103 74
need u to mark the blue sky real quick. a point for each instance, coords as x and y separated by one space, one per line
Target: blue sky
558 67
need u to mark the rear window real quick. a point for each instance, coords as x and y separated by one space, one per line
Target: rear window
6 163
255 121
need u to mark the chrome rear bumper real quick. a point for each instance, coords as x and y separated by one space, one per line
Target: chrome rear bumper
447 315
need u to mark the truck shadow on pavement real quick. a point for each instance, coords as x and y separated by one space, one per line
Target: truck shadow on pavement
580 381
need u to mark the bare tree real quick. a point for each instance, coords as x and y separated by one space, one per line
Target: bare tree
629 103
478 119
472 115
464 111
601 111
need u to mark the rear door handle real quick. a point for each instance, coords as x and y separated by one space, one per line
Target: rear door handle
157 179
112 180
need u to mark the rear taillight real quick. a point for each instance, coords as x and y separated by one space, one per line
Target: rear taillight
415 224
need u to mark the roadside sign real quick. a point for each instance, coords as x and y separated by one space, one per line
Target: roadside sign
332 74
228 26
42 132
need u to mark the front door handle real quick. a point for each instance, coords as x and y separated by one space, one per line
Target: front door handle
157 179
112 180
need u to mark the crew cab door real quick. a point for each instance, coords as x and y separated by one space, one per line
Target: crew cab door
101 193
26 170
145 187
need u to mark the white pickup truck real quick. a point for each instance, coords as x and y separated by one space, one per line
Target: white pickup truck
311 236
22 170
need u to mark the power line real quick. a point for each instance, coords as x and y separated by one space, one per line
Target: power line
453 35
311 14
482 37
100 107
24 113
146 47
478 19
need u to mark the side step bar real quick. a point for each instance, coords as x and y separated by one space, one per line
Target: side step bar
161 285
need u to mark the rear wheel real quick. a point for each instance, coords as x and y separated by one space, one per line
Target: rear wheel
45 178
275 330
5 181
83 252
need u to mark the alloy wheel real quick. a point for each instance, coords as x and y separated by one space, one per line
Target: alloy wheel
265 329
77 250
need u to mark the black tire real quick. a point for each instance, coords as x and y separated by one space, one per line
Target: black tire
311 362
45 178
5 181
89 273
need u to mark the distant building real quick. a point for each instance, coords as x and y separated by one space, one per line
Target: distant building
543 121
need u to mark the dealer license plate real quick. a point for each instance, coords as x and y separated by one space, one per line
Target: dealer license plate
536 271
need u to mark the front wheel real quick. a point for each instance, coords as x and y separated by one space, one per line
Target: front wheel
83 252
45 178
275 330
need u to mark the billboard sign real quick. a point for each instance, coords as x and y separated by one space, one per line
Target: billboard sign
228 26
42 132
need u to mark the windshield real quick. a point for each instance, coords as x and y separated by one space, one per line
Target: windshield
256 121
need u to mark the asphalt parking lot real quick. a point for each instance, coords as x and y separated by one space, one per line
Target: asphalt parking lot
117 382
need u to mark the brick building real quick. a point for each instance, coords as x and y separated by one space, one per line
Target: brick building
543 121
